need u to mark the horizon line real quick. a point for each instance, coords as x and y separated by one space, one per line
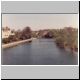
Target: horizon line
41 29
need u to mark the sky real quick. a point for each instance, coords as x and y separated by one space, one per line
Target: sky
39 21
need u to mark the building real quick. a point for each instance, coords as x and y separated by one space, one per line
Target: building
6 32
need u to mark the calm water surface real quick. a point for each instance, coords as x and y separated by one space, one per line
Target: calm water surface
39 52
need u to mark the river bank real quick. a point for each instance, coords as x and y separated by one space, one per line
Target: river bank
16 43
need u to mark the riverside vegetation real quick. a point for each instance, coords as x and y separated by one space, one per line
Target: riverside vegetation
64 38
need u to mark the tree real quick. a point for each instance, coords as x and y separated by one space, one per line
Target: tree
26 33
72 39
49 34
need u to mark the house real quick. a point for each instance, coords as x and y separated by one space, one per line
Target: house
6 32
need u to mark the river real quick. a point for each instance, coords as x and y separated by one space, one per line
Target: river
38 52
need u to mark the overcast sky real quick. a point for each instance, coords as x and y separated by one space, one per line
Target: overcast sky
39 21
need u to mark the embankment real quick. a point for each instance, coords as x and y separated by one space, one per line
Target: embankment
16 43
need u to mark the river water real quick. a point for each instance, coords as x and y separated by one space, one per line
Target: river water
38 52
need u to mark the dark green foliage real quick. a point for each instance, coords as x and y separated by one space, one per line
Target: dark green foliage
26 33
19 35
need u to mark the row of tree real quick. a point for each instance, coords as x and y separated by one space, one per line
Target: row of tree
64 38
26 33
67 38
